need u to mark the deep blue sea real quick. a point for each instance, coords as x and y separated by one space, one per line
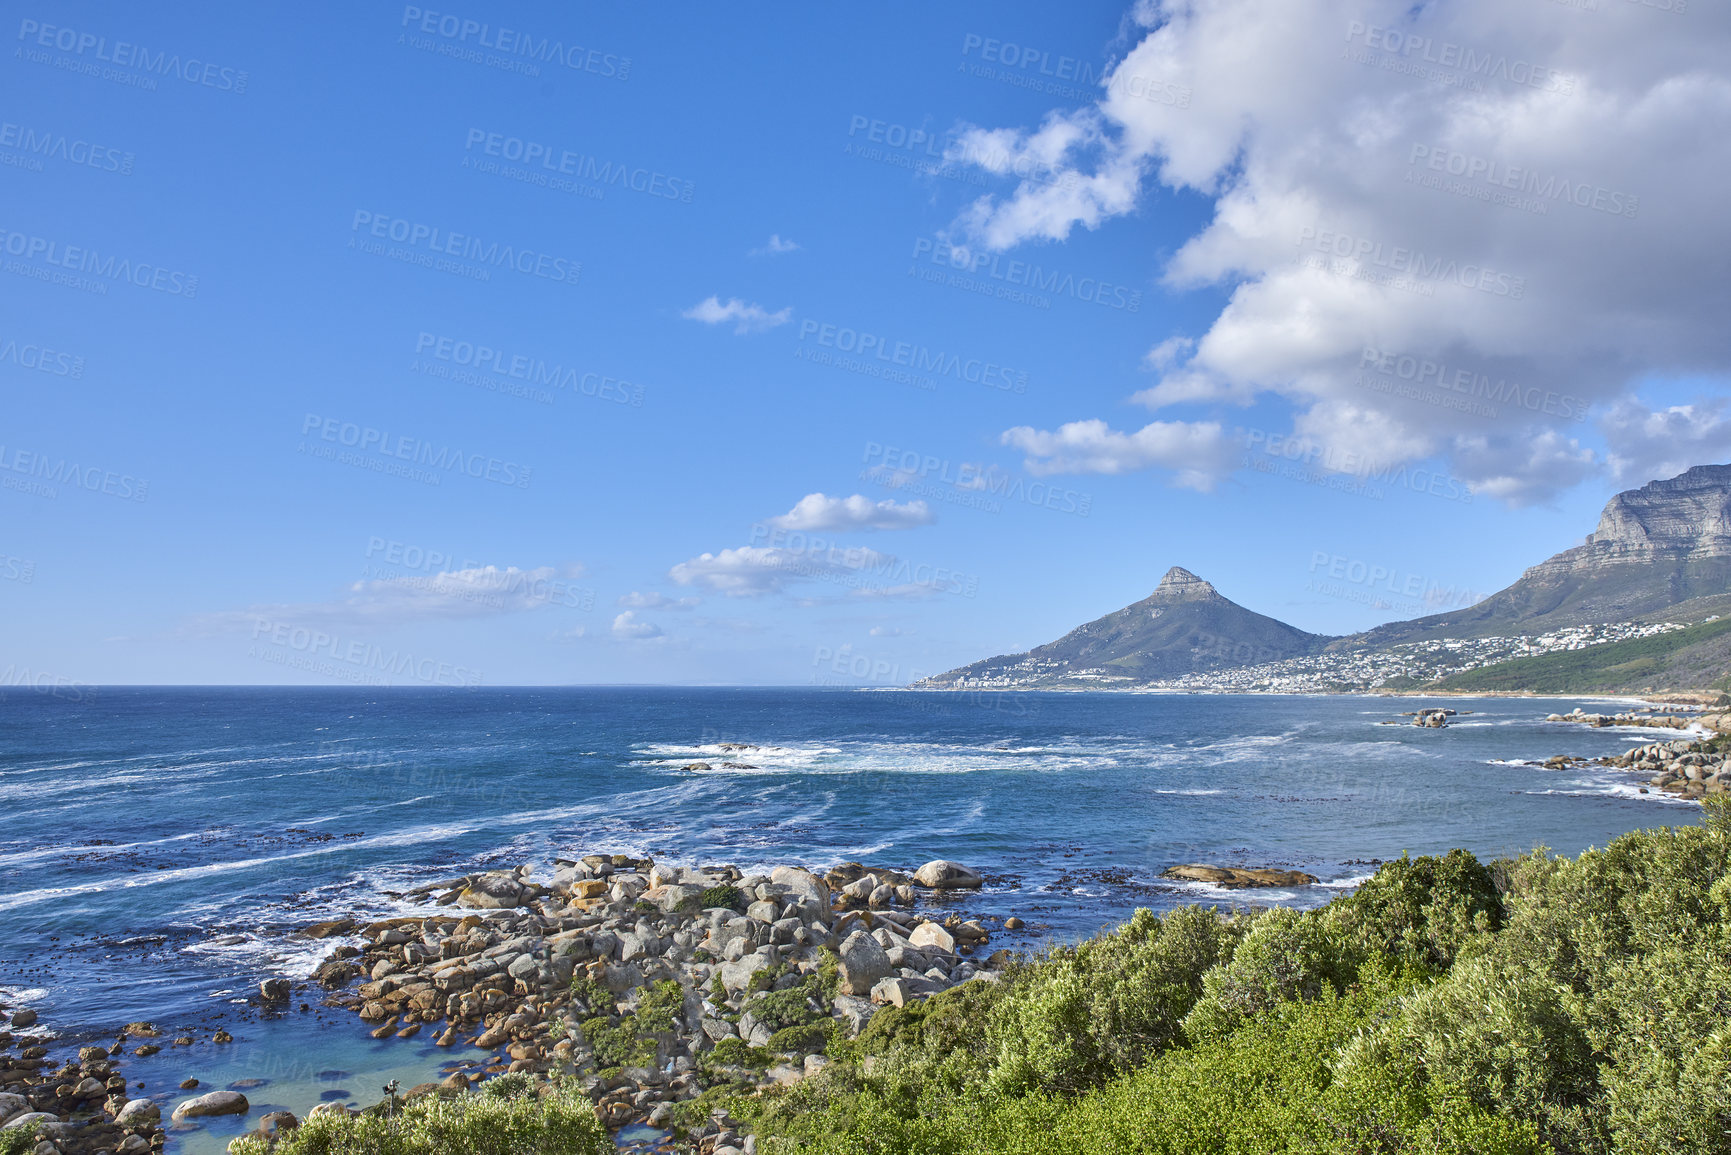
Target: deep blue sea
159 847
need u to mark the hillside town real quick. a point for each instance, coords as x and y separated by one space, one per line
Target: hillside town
1406 665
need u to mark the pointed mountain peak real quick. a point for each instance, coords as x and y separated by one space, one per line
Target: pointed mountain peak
1181 583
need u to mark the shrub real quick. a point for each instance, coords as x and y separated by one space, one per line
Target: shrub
739 1053
1543 1006
1422 910
1079 1016
724 895
561 1122
1288 956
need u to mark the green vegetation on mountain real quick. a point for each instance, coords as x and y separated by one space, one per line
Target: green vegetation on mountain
1687 659
1544 1005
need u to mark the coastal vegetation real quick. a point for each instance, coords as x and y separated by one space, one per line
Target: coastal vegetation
1689 658
512 1117
1535 1005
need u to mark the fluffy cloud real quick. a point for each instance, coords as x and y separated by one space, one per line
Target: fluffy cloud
482 591
753 571
1653 443
657 601
1199 451
819 511
1522 199
627 627
752 318
774 246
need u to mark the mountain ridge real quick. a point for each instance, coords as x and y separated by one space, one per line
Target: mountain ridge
1184 626
1660 552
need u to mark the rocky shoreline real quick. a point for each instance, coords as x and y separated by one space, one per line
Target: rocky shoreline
650 983
80 1108
1690 768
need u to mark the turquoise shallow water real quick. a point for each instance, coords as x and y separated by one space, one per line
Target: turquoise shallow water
161 846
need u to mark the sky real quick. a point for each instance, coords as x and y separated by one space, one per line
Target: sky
523 343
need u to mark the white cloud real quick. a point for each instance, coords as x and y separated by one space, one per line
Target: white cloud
1199 451
482 591
657 601
906 591
887 631
774 246
752 318
817 511
1359 203
627 626
1647 444
753 571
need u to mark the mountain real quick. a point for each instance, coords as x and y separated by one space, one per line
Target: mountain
1695 658
1185 626
1660 552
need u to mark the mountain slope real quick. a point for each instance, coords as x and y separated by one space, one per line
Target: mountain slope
1661 551
1690 659
1183 627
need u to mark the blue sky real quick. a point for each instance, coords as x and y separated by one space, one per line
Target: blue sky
300 470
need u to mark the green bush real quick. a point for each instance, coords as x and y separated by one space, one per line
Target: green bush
1423 910
1081 1015
788 1008
560 1122
1288 956
724 895
1544 1006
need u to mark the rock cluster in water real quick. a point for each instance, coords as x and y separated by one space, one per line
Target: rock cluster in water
650 982
1689 768
82 1107
1237 877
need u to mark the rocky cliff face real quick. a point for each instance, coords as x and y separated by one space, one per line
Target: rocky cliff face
1660 552
1686 517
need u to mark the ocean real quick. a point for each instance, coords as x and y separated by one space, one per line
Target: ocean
160 847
